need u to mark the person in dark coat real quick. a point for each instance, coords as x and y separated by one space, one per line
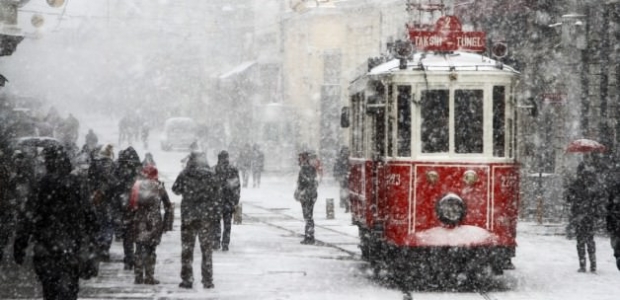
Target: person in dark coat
147 196
229 192
148 160
7 210
17 187
58 217
101 190
126 172
306 194
258 164
612 216
199 210
91 139
583 196
244 163
341 174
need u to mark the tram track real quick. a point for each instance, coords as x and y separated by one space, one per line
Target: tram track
350 255
319 242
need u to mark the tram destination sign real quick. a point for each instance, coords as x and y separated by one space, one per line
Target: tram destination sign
448 35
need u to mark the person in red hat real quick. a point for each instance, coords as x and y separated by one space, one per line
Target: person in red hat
147 195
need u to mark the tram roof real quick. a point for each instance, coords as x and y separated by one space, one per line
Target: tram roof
454 61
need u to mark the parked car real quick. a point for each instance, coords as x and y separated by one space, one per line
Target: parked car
179 133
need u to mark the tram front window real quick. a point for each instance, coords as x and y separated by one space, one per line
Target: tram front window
468 121
435 114
499 121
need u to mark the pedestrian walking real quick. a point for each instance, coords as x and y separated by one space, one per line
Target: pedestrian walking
584 195
612 216
126 172
244 163
18 184
306 194
57 220
144 134
229 191
7 209
101 191
147 196
341 174
148 160
257 165
199 209
91 140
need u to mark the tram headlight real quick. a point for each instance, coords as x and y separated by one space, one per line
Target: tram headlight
470 177
451 209
432 177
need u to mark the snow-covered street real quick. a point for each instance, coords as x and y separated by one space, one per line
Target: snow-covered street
266 260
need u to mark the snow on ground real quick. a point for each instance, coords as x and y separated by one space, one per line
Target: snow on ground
266 261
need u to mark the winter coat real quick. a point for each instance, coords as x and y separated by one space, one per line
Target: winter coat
147 195
229 184
59 220
91 139
341 168
613 211
126 171
584 196
199 189
245 158
307 183
258 160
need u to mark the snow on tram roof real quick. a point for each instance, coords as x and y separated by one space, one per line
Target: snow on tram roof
458 61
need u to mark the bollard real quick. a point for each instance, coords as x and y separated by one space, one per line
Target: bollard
238 213
329 207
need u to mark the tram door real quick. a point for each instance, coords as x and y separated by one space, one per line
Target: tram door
378 133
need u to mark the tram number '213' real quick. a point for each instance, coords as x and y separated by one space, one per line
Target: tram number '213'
508 182
393 179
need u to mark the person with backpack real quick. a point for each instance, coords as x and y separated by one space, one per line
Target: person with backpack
230 192
147 195
306 194
200 208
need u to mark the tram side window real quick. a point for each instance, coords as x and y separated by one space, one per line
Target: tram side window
357 128
499 121
435 115
468 121
404 120
390 125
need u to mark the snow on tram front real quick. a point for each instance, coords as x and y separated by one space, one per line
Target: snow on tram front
433 169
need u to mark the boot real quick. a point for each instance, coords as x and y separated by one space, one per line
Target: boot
582 266
581 253
138 271
149 270
618 263
592 262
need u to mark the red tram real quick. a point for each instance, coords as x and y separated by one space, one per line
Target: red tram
433 169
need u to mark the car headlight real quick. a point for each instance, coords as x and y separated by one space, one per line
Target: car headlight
451 209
